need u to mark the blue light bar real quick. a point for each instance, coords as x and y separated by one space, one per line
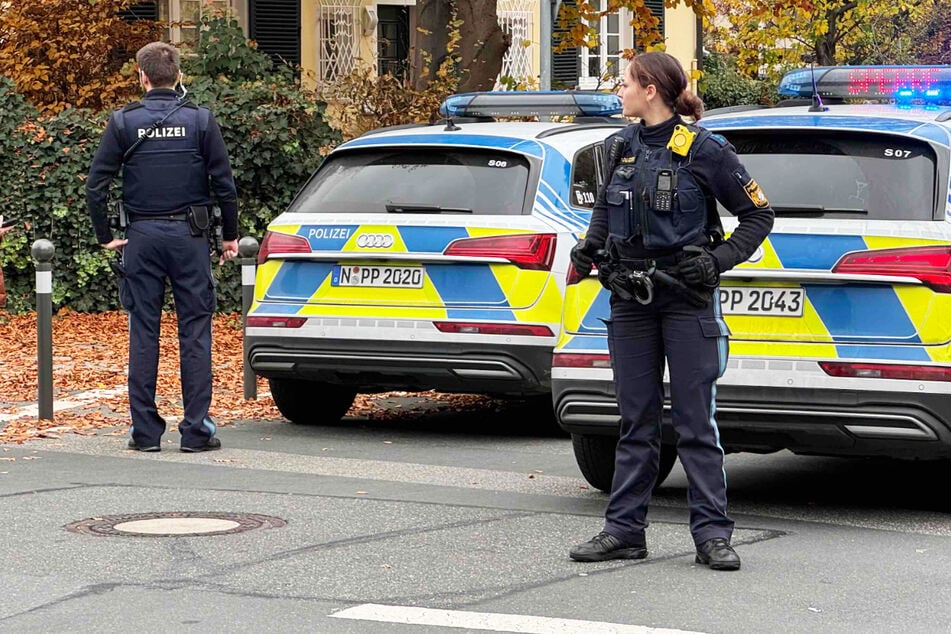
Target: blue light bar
518 103
929 85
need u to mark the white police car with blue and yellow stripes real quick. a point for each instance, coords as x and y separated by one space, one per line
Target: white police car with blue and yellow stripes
429 257
841 322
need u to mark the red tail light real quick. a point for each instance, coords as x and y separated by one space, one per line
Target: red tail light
276 322
931 265
887 371
533 251
562 360
280 243
524 330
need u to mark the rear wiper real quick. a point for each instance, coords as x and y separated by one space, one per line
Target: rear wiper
413 208
814 210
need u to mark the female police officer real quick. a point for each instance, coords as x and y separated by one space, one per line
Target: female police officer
652 221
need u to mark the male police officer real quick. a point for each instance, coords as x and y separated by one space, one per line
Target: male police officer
173 158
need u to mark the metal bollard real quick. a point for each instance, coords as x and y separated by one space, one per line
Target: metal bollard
247 251
43 251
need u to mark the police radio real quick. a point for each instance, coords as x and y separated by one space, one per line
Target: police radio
664 191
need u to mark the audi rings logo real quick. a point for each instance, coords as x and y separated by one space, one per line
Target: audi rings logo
374 240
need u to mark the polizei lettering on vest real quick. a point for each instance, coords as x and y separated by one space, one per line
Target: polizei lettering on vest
329 233
172 132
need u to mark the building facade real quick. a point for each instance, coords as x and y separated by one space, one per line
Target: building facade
330 38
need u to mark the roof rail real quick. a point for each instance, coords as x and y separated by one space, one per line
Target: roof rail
401 126
599 119
580 126
729 109
795 101
443 121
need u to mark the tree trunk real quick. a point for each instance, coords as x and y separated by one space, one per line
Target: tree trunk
825 52
481 47
432 37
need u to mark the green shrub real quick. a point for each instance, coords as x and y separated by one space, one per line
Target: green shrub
722 85
274 130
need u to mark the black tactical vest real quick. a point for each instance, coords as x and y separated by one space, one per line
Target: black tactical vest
635 205
166 172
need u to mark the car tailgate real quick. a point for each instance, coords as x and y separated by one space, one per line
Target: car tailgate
417 263
859 287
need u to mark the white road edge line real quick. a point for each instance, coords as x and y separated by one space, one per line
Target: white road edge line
76 400
522 624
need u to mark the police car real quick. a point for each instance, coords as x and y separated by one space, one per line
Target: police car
429 257
841 322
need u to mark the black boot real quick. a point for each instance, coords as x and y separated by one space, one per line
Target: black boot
148 448
718 554
211 445
604 546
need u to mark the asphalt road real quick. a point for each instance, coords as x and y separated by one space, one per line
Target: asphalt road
454 523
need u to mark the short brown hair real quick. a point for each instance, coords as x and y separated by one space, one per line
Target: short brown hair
160 63
665 72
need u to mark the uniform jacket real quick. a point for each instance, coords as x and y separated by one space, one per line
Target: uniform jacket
712 171
182 162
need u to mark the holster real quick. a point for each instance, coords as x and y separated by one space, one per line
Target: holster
120 220
199 219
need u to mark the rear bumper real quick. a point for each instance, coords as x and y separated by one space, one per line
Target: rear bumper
374 365
805 421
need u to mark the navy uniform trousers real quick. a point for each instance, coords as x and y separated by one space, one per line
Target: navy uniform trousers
694 342
160 249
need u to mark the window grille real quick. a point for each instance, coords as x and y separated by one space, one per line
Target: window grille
515 18
337 39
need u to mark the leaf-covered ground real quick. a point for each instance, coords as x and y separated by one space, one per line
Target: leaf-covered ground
90 353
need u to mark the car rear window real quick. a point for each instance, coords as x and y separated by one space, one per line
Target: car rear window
417 180
841 175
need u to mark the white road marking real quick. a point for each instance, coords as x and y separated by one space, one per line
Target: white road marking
76 400
490 621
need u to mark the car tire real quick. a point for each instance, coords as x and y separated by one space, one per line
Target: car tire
310 402
595 457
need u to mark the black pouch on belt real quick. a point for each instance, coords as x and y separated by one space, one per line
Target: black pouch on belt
199 219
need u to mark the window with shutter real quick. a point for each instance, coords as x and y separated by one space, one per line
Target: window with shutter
601 62
566 64
140 11
657 8
275 26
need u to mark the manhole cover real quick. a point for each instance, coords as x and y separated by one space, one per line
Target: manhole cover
173 524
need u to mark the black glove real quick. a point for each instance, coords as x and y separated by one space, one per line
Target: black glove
699 270
581 257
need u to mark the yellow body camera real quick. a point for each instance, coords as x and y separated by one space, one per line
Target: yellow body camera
681 140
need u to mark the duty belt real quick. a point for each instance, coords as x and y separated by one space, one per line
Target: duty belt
177 216
649 264
635 279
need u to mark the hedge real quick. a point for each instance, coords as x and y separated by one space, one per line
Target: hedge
274 129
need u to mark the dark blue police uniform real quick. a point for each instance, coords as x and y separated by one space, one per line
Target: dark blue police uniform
180 163
641 229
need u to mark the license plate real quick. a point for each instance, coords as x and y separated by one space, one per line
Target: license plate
377 276
769 301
